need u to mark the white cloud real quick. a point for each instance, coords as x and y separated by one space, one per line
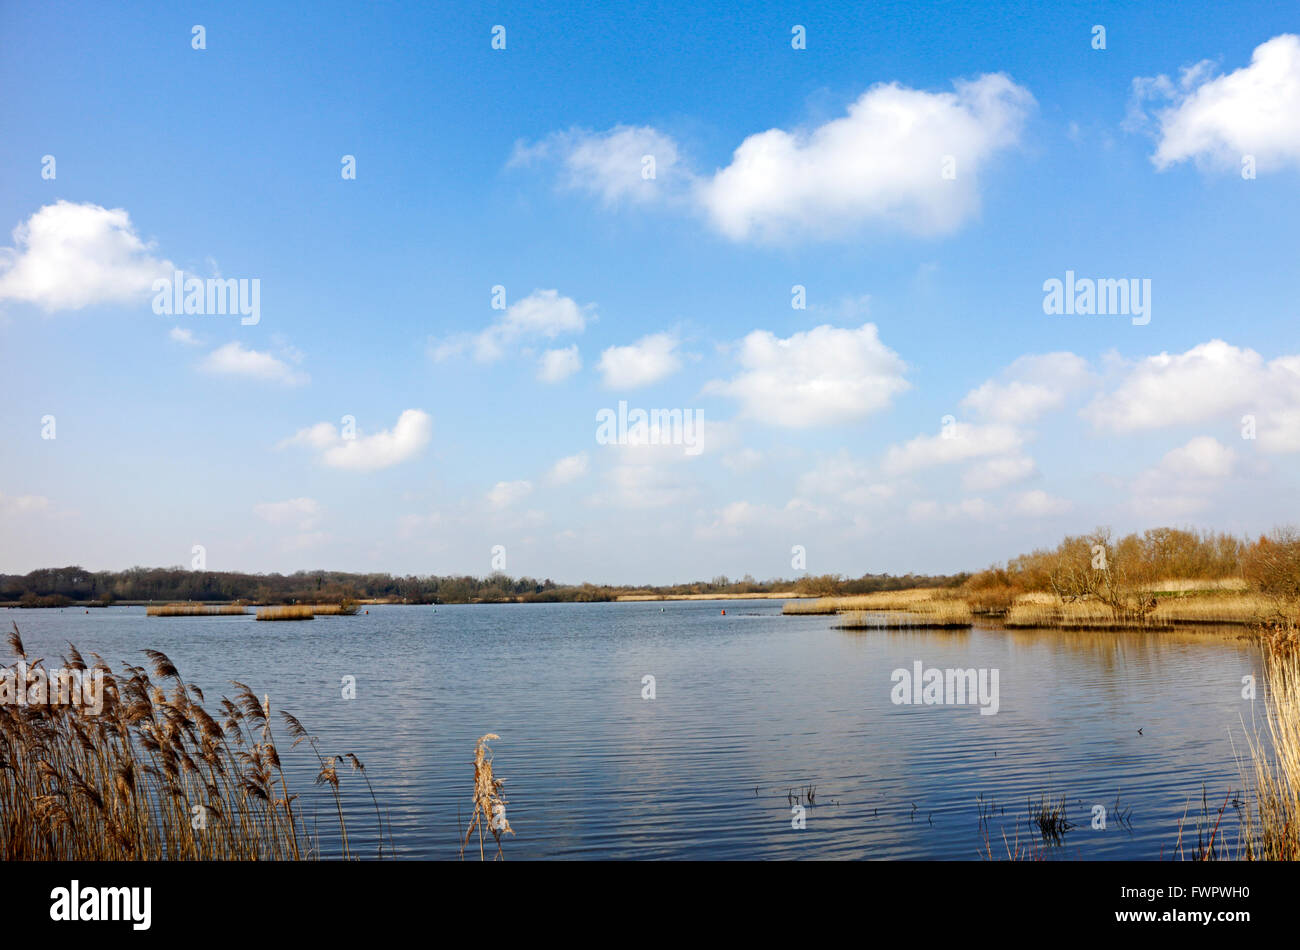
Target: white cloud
68 256
646 486
882 162
183 335
611 164
302 513
998 472
505 494
23 504
824 376
744 460
1185 479
543 314
233 359
963 442
1039 504
1213 381
968 509
646 361
846 480
558 365
570 468
404 441
1029 387
1215 121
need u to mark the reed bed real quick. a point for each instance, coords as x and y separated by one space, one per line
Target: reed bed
1186 585
293 612
152 775
194 610
939 614
1272 818
1215 608
882 600
1045 610
334 610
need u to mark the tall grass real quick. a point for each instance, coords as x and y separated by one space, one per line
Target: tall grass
194 610
153 775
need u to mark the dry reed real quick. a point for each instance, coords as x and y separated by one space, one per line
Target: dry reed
294 612
194 610
489 803
938 614
151 775
1272 820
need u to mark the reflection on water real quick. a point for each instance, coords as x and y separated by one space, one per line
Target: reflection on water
750 707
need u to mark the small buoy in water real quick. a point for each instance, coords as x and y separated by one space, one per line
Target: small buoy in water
661 610
367 613
724 613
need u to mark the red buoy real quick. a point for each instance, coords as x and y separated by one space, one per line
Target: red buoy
724 613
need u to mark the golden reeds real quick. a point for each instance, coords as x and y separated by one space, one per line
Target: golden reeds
882 600
293 612
935 614
345 609
489 806
1272 817
1047 610
148 775
194 610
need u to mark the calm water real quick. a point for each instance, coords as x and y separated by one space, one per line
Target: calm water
748 707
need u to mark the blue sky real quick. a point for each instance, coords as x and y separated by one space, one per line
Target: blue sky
522 168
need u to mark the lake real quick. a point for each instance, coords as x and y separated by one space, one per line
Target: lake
750 709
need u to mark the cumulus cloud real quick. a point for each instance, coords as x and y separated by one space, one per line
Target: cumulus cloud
234 359
846 480
959 443
182 335
1212 381
300 513
543 314
880 163
1039 504
68 256
1031 386
365 453
611 165
998 472
1185 479
883 163
646 361
569 468
504 494
646 486
824 376
1216 120
558 365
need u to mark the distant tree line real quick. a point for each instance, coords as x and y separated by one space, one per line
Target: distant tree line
62 586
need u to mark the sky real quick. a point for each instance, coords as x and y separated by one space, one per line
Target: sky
815 244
